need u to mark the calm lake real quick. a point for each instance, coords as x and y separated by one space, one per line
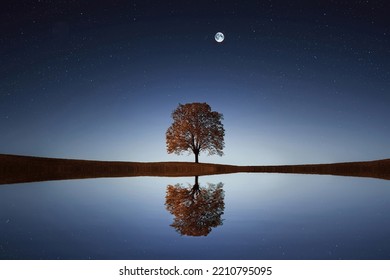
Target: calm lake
236 216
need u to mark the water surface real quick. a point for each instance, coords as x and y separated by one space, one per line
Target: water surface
264 216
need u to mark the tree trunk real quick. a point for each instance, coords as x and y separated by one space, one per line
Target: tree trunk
196 156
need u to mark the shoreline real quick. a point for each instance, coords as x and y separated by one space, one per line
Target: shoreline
22 169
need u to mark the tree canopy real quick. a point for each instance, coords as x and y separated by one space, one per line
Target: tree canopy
195 128
196 210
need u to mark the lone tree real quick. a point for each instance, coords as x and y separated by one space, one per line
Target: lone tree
195 128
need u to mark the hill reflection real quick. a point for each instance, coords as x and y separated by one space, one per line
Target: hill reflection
197 210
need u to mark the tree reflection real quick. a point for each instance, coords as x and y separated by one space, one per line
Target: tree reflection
196 209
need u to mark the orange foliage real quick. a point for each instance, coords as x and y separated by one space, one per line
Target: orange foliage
195 128
196 210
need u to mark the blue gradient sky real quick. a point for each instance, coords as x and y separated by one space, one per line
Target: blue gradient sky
296 81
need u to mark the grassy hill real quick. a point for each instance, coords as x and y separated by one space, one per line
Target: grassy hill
18 169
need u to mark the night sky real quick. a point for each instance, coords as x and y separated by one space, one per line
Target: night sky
296 81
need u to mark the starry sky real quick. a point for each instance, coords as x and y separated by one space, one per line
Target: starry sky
296 81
